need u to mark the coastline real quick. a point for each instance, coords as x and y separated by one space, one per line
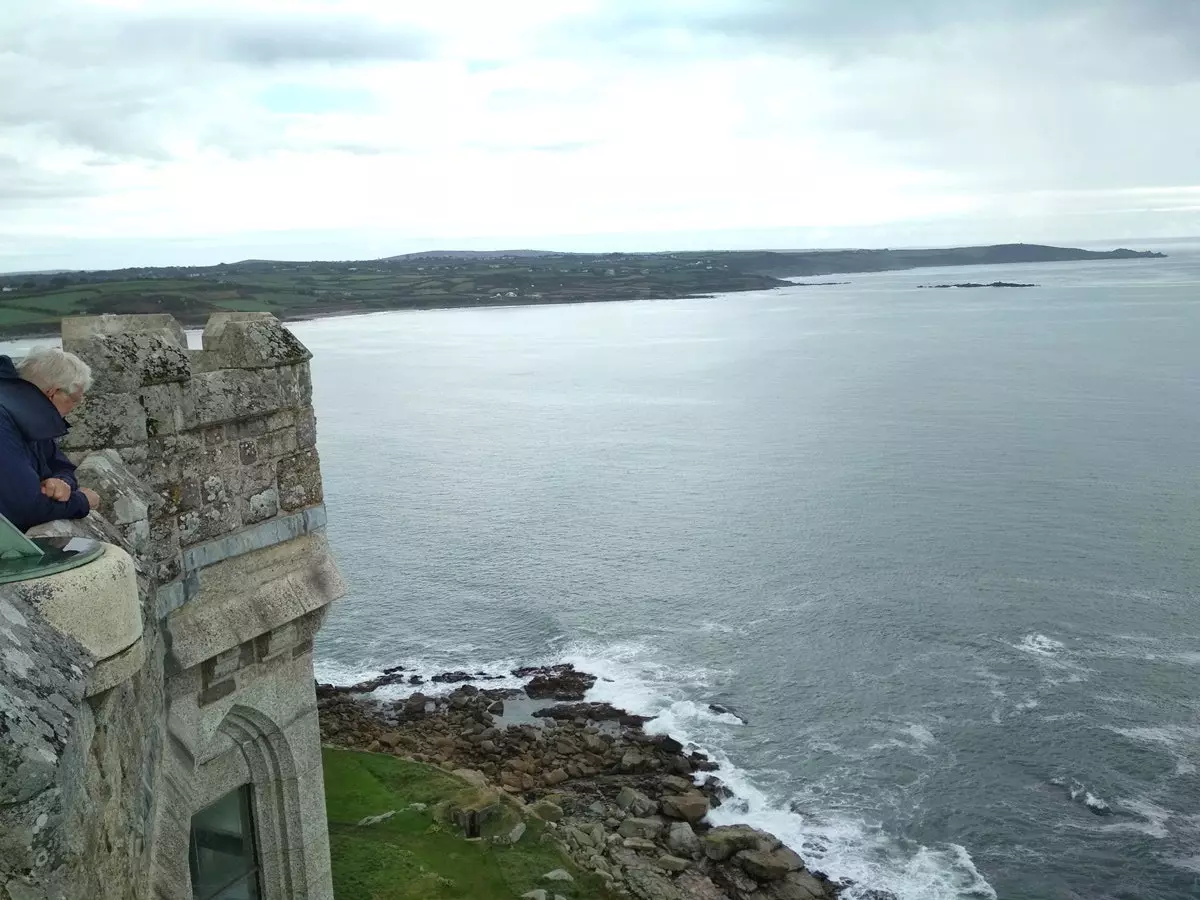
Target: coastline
631 806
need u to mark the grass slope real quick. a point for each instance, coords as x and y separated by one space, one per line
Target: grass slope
412 856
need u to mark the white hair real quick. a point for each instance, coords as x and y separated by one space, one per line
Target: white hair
50 368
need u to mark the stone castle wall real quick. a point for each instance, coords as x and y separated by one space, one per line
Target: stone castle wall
207 464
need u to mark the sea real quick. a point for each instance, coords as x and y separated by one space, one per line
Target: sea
936 552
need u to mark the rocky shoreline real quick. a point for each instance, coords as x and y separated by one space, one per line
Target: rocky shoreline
625 804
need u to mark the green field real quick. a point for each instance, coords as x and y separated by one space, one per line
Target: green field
413 855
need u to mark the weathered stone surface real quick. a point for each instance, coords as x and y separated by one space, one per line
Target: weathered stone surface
95 604
287 581
247 340
724 841
695 886
691 807
648 885
300 480
635 802
801 886
643 828
682 840
673 864
261 506
768 866
227 395
471 777
123 363
547 811
79 328
43 674
169 408
106 420
558 875
639 845
124 499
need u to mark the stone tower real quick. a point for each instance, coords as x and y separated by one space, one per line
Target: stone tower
158 725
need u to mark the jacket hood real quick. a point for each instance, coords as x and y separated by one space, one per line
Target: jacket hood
29 408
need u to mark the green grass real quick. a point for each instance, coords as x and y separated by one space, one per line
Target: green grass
10 316
60 303
412 856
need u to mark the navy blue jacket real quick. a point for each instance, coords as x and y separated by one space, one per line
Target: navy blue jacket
29 430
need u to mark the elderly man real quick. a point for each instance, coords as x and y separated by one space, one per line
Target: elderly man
37 483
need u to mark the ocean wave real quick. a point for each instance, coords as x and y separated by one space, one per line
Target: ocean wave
1179 741
1040 645
1080 793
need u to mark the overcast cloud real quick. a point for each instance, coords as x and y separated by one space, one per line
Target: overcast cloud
137 132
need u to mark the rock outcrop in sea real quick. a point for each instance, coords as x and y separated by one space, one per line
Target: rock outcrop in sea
625 804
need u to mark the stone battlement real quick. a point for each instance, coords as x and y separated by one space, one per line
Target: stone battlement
207 466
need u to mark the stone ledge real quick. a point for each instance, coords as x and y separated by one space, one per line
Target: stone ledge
97 604
245 596
256 537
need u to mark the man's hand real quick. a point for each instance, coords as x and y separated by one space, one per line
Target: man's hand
56 489
92 497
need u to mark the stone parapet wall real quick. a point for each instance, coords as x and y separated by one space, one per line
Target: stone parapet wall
224 437
207 466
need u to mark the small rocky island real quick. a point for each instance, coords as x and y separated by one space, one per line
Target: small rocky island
629 806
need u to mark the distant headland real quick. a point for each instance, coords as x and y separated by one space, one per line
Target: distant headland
33 303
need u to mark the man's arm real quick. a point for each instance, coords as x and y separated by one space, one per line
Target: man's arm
62 468
21 497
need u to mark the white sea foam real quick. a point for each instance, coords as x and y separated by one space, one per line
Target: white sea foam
1039 644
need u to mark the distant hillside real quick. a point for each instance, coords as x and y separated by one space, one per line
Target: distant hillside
33 303
474 254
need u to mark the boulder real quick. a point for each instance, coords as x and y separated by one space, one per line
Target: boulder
676 785
639 845
643 828
802 886
547 811
635 802
561 682
536 895
558 875
682 840
690 807
734 881
724 841
472 777
631 761
580 837
769 866
558 776
518 832
672 864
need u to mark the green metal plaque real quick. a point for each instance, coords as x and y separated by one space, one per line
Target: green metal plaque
22 558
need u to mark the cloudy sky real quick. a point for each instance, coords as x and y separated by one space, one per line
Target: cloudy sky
146 132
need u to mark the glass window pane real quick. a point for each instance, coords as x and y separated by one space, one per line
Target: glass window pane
246 889
222 849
